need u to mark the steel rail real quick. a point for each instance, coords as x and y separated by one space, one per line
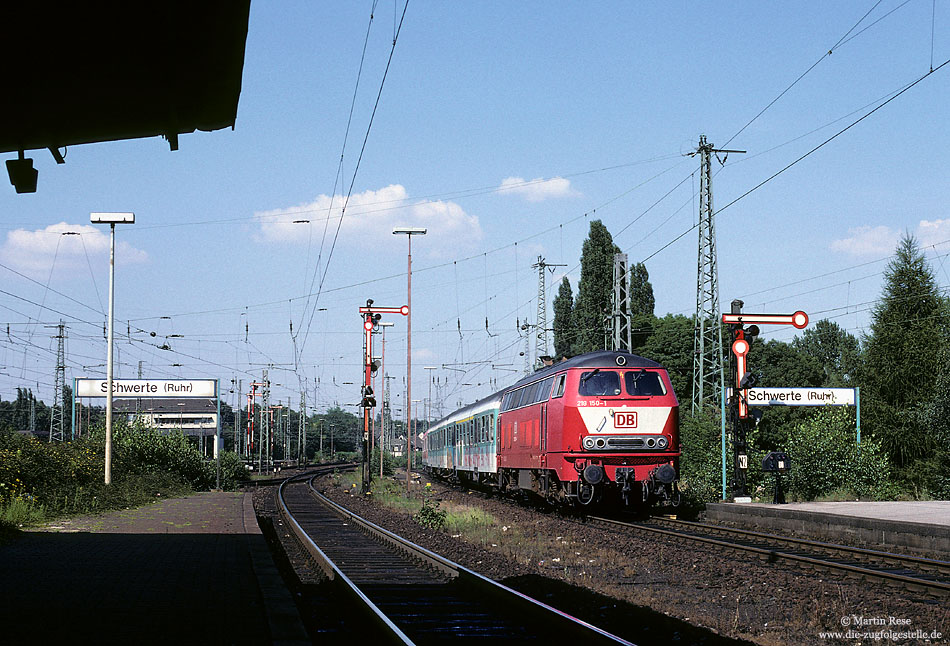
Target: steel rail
911 582
468 576
927 564
334 573
533 612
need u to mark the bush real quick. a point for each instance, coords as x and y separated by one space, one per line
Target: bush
388 463
701 461
826 458
233 473
42 479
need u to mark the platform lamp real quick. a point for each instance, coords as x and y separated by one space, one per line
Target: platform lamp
409 232
111 219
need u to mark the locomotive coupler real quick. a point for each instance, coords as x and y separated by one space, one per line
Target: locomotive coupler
626 478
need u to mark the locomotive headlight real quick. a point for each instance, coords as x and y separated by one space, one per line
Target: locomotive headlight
588 442
662 442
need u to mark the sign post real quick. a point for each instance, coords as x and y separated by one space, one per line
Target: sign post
153 389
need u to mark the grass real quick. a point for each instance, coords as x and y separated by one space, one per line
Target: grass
20 512
473 523
131 491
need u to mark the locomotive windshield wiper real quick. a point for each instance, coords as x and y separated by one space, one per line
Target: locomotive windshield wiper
589 375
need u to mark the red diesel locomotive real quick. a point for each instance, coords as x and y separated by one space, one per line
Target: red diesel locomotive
598 426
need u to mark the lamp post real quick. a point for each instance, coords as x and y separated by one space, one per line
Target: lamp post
111 219
409 232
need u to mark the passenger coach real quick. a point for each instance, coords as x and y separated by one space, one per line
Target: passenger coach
599 424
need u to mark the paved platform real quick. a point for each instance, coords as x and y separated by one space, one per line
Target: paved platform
910 525
192 570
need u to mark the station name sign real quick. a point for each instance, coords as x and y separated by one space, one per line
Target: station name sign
150 388
799 396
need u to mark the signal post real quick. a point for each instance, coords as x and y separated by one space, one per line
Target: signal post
738 402
371 315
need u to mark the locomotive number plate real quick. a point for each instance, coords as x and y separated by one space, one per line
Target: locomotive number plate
625 420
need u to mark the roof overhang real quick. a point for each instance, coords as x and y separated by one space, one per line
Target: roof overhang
84 72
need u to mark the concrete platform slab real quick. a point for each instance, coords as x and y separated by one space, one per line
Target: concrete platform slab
917 526
186 570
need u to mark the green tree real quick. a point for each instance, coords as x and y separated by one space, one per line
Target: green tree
905 350
777 364
346 430
837 351
595 289
642 300
671 345
564 333
935 418
642 303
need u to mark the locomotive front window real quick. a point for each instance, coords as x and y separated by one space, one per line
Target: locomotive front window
599 384
640 383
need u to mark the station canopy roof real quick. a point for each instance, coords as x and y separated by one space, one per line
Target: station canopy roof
83 72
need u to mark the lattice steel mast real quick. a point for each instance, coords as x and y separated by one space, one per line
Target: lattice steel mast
57 423
707 334
622 333
541 340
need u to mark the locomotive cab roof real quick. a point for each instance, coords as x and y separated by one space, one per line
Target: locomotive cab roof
601 359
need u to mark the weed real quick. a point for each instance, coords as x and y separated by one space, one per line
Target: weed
430 515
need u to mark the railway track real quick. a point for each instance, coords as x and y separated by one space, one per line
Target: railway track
916 574
409 595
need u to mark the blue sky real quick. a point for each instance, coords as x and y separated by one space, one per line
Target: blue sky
504 128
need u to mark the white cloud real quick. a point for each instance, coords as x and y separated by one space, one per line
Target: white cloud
883 240
878 241
935 232
35 253
538 189
369 220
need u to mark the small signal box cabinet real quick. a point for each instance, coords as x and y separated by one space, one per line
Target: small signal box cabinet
776 462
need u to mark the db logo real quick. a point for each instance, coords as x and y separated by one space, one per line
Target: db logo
625 420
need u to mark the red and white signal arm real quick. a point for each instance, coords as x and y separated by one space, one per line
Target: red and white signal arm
740 348
404 310
799 319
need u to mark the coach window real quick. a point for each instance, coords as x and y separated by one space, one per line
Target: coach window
559 386
491 428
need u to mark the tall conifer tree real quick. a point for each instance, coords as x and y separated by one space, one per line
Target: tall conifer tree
564 332
904 353
595 289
